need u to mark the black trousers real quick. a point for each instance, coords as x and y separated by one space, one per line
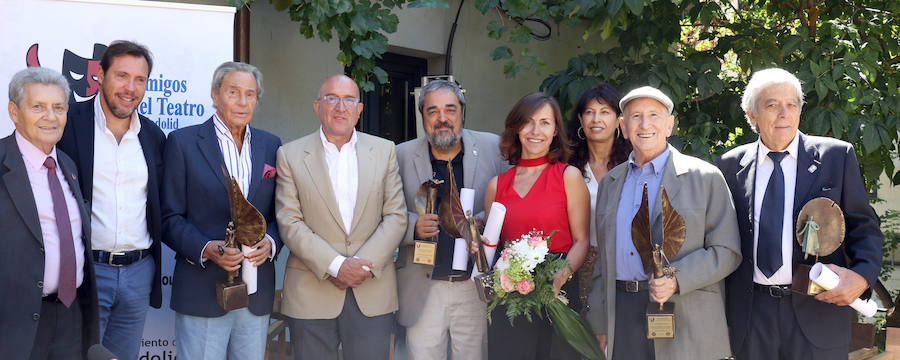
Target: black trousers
775 334
631 341
360 336
59 332
535 340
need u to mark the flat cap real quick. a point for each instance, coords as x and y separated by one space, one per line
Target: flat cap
647 92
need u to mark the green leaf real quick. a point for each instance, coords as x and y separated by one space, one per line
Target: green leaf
636 6
280 5
613 6
511 68
814 67
871 141
495 29
380 74
484 5
501 52
429 4
821 89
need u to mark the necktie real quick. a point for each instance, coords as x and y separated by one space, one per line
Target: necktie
66 290
771 220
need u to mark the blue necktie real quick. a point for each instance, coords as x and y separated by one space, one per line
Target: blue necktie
771 220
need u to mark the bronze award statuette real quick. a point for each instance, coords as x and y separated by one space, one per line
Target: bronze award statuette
655 257
820 231
247 227
459 224
426 249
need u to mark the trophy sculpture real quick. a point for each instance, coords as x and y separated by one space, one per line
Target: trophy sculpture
655 256
426 249
247 227
460 224
820 231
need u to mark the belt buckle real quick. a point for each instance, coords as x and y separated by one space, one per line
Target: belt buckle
776 291
112 256
631 286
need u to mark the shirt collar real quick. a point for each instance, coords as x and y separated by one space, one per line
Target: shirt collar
34 157
456 159
222 130
792 148
657 164
100 118
329 146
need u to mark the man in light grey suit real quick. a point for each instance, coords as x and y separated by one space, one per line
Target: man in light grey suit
439 303
711 250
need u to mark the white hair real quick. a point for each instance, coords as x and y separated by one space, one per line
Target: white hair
231 66
761 80
35 75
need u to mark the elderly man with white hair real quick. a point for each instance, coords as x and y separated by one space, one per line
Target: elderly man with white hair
771 179
711 250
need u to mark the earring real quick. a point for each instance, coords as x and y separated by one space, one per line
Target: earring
616 132
580 133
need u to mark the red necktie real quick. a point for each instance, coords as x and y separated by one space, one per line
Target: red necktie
66 290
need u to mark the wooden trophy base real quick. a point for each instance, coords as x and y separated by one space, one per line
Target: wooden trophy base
425 252
232 295
801 283
484 285
661 321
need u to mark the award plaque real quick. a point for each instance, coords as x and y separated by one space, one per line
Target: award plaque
820 231
426 249
247 227
655 257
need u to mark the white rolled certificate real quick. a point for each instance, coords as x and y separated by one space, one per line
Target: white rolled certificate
248 270
460 255
467 199
824 277
492 230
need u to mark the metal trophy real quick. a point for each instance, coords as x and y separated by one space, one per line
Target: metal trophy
820 231
426 249
459 224
655 256
247 227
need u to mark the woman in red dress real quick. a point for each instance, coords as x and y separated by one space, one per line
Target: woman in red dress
541 192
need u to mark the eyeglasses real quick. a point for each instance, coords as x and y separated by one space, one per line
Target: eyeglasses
332 100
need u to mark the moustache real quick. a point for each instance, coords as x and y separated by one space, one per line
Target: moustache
443 125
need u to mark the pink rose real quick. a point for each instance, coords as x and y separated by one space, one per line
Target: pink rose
525 286
536 242
506 283
506 254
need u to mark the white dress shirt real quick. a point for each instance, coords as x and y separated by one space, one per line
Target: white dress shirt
40 188
119 195
343 170
592 185
764 168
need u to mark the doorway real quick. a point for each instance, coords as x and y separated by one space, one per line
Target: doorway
390 109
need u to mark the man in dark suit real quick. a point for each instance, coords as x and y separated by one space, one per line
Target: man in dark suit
196 211
107 137
49 306
770 180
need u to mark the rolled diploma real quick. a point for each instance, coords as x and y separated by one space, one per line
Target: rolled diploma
824 277
467 199
248 270
460 255
492 230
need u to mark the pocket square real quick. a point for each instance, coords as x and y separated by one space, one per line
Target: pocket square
268 171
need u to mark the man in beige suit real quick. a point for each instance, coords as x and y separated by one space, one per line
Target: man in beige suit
340 210
711 250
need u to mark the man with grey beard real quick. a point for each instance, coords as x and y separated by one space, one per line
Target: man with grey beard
438 303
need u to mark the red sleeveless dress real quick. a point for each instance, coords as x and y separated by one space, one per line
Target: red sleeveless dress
543 207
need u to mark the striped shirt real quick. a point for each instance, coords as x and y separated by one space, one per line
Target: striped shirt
236 162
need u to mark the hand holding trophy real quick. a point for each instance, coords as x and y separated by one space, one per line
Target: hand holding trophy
247 227
655 256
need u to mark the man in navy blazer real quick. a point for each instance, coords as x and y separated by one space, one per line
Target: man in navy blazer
196 212
106 137
770 181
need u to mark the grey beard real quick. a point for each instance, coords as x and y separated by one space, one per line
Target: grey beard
443 142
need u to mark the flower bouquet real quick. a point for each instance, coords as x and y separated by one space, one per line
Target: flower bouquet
523 283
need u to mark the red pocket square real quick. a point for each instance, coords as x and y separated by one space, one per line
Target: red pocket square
268 171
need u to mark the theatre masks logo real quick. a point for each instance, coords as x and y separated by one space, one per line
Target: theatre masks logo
81 72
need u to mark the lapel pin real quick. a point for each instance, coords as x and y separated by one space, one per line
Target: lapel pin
73 176
812 168
474 152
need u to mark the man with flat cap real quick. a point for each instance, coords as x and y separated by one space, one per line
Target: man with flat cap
710 251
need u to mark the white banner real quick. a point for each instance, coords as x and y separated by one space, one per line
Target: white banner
187 41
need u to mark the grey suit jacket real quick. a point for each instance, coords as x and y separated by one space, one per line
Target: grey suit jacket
481 162
310 223
710 252
22 256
